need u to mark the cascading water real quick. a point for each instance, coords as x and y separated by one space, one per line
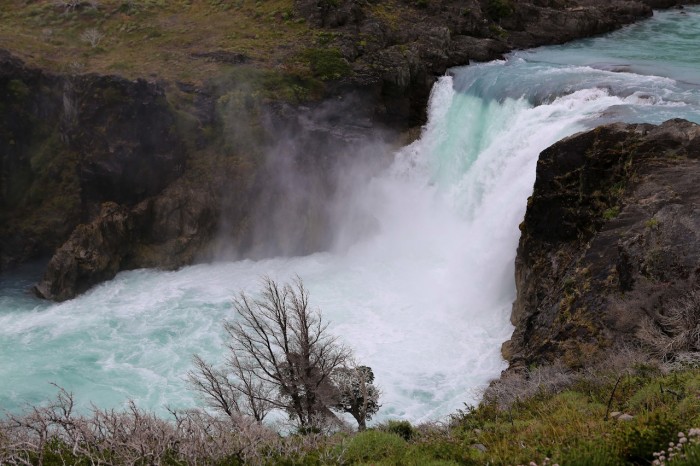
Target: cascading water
424 299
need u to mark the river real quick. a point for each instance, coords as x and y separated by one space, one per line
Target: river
423 297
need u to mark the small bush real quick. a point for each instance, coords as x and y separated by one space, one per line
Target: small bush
543 380
374 445
611 213
675 331
497 9
327 64
639 440
403 429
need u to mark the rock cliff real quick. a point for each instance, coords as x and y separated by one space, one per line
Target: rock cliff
69 143
610 239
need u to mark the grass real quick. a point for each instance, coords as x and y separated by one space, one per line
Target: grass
154 38
574 426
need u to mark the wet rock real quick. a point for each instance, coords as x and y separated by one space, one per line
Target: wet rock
464 49
434 36
92 254
611 235
167 231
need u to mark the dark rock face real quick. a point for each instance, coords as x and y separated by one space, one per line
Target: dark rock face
611 235
127 138
166 231
398 54
92 254
31 222
69 143
262 188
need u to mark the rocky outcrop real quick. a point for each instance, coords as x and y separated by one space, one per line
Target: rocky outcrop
611 237
166 231
260 186
398 51
69 143
93 253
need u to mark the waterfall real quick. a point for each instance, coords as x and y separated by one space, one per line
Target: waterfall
420 284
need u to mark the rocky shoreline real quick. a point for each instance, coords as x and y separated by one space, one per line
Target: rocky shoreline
106 174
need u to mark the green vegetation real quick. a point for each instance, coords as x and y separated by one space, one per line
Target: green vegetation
327 64
613 415
611 213
652 223
153 37
374 445
497 9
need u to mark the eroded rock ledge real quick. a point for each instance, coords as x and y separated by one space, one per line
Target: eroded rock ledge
611 236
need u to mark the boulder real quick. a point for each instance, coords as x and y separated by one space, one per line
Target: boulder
92 254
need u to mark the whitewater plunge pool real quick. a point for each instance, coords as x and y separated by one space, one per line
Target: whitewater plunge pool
425 300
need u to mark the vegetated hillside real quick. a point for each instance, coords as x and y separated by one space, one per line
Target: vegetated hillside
226 93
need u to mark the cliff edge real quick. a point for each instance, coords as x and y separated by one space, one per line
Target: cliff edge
610 241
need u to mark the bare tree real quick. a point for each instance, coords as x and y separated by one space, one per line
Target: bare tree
356 393
235 394
281 356
92 36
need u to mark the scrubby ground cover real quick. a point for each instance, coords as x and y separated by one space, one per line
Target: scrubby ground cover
156 38
608 416
191 41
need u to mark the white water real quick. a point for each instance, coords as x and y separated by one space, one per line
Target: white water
424 300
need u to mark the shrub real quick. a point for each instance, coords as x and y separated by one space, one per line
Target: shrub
92 36
374 445
327 64
595 453
497 9
639 440
611 213
403 429
543 380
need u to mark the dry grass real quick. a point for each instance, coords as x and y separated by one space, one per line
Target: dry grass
676 330
55 434
153 38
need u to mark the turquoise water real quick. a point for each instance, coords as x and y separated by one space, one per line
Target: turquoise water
421 281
